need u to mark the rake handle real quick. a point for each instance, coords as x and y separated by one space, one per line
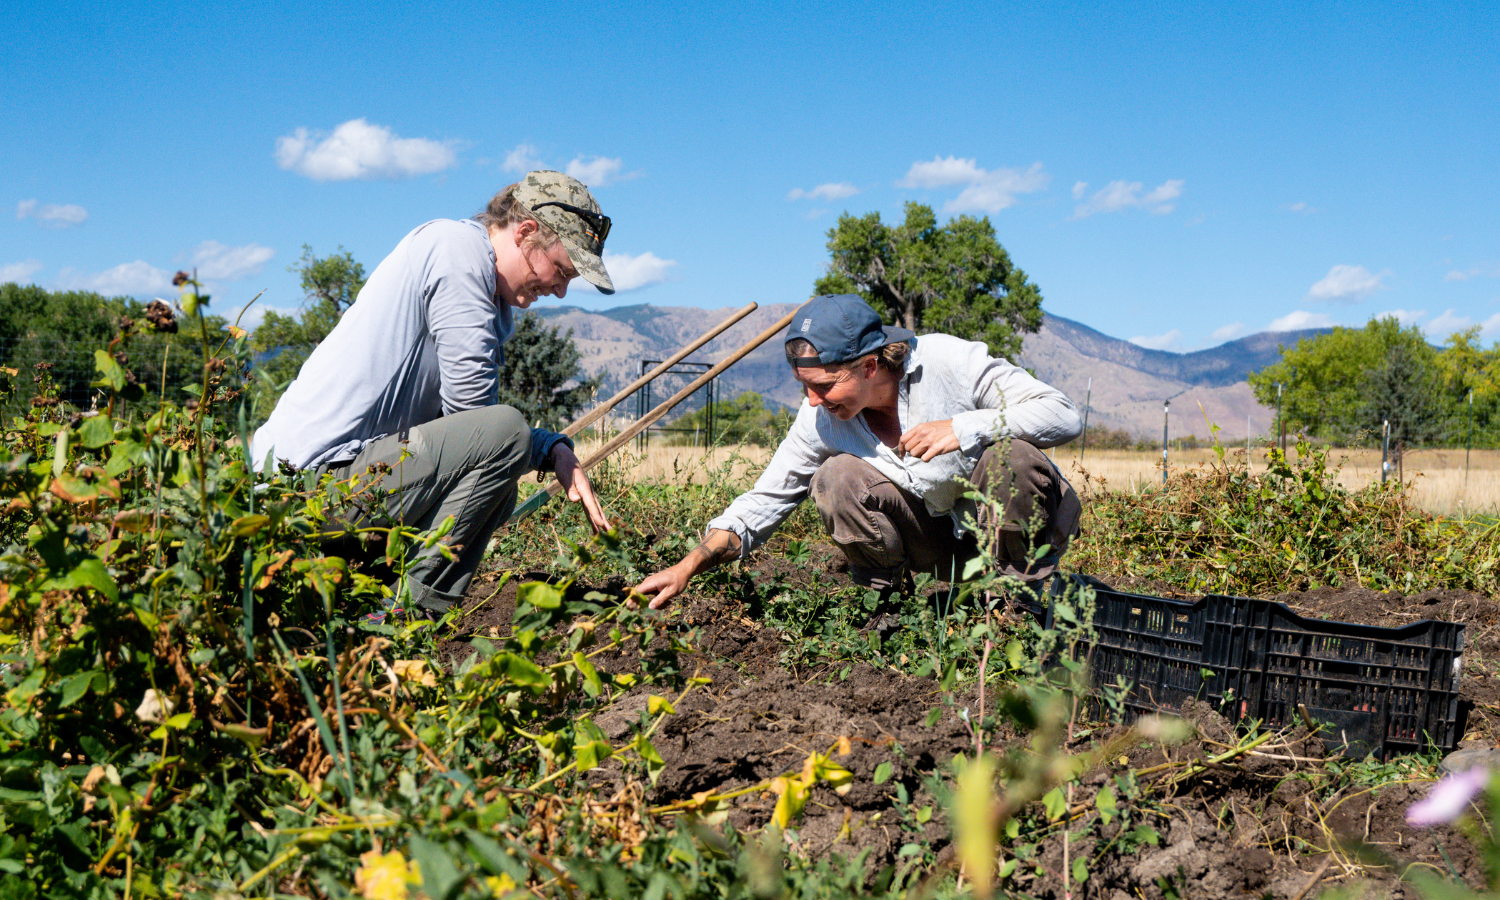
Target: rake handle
540 498
597 412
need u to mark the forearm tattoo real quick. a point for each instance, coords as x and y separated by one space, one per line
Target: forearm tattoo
713 556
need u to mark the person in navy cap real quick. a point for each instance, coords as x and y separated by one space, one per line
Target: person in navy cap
893 430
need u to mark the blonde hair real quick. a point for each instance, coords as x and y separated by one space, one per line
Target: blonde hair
504 210
891 357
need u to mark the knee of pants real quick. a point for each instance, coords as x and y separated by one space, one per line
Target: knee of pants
503 436
839 487
1023 480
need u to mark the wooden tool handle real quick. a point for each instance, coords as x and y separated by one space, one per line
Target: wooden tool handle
594 414
536 501
667 405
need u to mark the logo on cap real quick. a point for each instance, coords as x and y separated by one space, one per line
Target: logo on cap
806 324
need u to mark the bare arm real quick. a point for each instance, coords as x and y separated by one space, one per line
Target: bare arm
571 476
716 548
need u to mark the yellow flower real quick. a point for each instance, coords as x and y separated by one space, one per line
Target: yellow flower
385 876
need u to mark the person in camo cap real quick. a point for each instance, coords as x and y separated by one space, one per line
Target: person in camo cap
892 428
409 378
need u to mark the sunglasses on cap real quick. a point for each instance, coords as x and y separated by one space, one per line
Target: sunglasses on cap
596 221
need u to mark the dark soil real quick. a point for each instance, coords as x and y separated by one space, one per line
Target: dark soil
1277 822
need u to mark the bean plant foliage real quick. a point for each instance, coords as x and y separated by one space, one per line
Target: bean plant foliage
195 705
1288 527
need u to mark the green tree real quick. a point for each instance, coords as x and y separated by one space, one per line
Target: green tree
282 343
540 375
63 328
954 278
1328 379
743 420
1404 389
1465 366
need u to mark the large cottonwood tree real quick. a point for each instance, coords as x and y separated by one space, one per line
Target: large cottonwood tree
954 278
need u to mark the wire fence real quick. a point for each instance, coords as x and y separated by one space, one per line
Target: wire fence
162 367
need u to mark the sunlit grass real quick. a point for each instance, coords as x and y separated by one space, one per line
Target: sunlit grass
1439 480
1440 483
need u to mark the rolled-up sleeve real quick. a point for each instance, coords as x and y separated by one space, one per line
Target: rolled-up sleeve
756 514
1010 402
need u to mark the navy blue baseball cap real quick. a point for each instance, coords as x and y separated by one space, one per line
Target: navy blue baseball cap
841 327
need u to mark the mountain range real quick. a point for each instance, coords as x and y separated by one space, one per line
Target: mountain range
1123 385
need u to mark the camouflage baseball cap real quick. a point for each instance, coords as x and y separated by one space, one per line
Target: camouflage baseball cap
563 204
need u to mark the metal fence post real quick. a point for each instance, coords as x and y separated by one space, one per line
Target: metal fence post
1385 448
1280 427
1468 442
1165 405
1088 395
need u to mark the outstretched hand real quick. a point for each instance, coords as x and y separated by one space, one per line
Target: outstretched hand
717 547
571 476
929 440
662 586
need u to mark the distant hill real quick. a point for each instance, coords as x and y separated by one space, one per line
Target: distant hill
1219 366
1129 382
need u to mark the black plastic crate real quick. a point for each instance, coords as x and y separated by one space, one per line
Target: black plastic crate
1384 690
1155 645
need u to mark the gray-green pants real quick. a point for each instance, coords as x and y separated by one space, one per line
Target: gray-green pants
883 530
466 466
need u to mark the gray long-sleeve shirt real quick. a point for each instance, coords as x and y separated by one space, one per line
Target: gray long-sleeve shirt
946 378
423 340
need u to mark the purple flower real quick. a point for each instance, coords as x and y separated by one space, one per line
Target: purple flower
1448 798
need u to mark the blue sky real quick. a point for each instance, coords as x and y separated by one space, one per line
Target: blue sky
1176 174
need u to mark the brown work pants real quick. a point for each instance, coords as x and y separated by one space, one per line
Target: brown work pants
884 530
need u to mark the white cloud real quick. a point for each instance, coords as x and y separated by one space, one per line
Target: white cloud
1446 324
599 171
1490 328
19 272
632 272
1296 321
985 190
1079 189
593 171
1347 283
359 150
1227 333
1300 207
834 190
51 214
940 173
216 261
1160 342
521 160
137 277
1476 272
1118 196
1405 317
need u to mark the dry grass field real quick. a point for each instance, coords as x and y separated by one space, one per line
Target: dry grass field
1439 481
1437 476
